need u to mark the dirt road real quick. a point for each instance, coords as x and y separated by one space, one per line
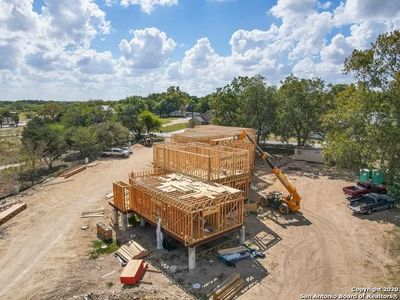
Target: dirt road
54 209
326 249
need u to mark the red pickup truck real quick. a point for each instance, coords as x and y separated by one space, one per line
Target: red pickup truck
363 188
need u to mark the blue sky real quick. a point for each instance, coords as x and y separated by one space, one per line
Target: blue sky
109 49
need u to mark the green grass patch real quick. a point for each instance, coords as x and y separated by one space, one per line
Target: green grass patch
174 127
99 249
110 284
10 151
166 120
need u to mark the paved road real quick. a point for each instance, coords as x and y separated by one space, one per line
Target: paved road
177 121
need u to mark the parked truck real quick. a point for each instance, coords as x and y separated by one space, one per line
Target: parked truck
363 188
371 202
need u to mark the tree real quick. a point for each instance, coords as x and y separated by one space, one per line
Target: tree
50 134
150 121
110 134
32 154
128 115
260 102
347 130
378 72
227 104
302 104
15 117
51 111
84 140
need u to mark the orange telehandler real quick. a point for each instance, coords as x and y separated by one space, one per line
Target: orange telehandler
285 204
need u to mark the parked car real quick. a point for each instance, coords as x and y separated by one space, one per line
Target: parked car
371 202
115 152
363 188
129 149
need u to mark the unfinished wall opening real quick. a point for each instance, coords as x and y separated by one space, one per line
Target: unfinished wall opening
219 135
191 210
121 196
225 165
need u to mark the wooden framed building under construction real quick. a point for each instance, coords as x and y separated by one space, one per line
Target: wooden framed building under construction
224 165
191 210
219 135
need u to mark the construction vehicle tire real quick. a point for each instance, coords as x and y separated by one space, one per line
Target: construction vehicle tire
264 202
283 209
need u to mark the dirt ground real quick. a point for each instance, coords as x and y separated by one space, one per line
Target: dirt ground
325 249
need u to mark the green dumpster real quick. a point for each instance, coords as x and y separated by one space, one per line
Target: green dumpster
364 175
377 176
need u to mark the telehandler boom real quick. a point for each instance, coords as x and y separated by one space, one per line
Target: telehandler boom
285 204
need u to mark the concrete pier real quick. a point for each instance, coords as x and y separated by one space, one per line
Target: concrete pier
124 220
192 258
242 235
115 219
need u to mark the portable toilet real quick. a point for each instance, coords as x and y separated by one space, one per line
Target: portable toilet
364 175
377 176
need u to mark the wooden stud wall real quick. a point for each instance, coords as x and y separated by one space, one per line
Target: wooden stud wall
185 218
219 135
121 195
201 161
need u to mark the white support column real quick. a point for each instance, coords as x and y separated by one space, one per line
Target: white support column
192 258
115 219
242 236
124 221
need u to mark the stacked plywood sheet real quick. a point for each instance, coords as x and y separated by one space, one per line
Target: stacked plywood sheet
131 251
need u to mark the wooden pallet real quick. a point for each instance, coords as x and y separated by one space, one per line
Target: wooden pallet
11 212
229 288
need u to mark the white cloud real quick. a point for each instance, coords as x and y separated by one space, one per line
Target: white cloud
354 11
75 22
49 54
147 6
337 50
92 62
149 48
293 8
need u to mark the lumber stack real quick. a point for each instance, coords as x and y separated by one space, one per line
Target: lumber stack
131 251
229 251
229 288
93 213
133 271
104 231
73 171
11 212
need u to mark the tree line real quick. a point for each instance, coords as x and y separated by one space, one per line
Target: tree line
358 123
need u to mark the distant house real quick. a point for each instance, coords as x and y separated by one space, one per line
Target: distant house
106 108
203 119
309 154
